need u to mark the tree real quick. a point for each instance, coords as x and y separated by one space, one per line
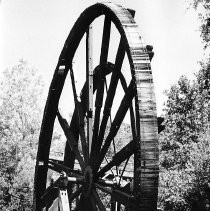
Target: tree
180 129
184 145
203 7
198 196
20 116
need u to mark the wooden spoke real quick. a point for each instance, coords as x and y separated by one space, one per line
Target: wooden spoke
100 89
124 86
57 166
106 183
121 175
132 116
105 40
110 94
121 112
71 139
107 163
98 200
123 82
118 195
80 118
69 156
113 141
118 158
98 105
82 133
73 86
124 198
50 188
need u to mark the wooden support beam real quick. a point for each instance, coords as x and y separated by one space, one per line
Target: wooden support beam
89 79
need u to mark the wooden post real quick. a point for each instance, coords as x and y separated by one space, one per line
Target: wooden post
89 79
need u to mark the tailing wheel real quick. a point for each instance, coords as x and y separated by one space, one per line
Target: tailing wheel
104 171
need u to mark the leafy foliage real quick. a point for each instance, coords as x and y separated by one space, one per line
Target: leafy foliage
184 144
203 7
20 98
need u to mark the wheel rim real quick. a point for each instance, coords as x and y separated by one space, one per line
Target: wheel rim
138 99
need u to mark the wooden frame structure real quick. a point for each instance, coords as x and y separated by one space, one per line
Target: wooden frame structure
86 186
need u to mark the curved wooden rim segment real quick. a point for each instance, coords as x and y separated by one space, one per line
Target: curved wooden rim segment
146 156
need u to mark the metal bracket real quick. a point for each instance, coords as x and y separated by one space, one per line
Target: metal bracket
64 201
61 203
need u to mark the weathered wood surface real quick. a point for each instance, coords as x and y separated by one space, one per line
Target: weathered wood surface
146 166
146 179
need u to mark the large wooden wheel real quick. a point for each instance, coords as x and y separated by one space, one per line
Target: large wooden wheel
100 169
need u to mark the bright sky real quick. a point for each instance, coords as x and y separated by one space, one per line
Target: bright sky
37 29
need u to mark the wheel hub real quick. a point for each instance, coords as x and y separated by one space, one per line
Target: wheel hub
88 176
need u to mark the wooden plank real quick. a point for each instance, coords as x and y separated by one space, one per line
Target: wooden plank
89 79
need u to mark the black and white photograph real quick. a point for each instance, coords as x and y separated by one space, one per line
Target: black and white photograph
105 105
